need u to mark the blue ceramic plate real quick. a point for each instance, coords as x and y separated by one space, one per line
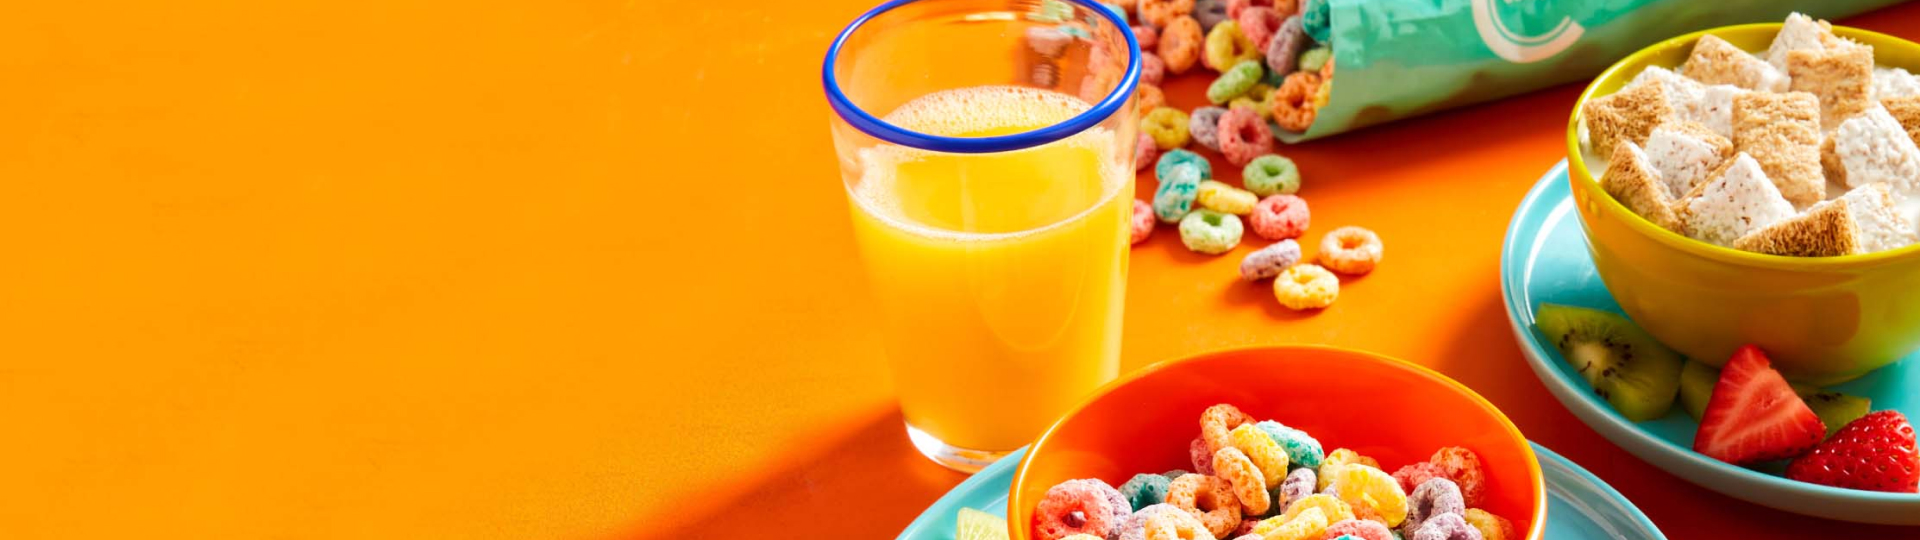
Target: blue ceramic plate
1545 259
1579 506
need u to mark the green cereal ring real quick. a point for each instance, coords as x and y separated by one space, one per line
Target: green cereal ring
1271 174
1315 57
1167 126
1175 158
1234 81
1302 449
1145 490
1210 232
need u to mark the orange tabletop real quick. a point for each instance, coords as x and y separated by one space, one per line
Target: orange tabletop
492 269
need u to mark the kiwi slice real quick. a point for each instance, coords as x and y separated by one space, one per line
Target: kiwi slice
1627 367
1835 409
1696 385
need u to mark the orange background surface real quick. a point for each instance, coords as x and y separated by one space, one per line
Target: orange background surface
414 269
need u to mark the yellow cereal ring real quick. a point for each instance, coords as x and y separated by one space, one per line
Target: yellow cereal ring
1167 126
1309 525
1337 458
1227 46
1226 198
1249 484
1371 489
1307 286
1335 509
1250 440
1209 499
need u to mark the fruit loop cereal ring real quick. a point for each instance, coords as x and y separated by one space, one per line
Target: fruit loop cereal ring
1280 217
1283 50
1147 98
1370 488
1144 151
1174 198
1236 7
1175 158
1317 19
1204 126
1210 13
1259 24
1153 70
1309 525
1434 497
1249 484
1268 262
1463 467
1293 102
1201 457
1264 453
1145 490
1414 474
1180 43
1315 58
1218 421
1491 527
1142 222
1297 486
1338 458
1350 250
1167 126
1306 286
1270 175
1208 498
1234 82
1224 46
1243 135
1134 526
1147 36
1211 232
1333 508
1225 198
1302 449
1446 527
1160 13
1361 529
1078 506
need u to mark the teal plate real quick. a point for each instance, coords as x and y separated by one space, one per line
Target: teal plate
1545 259
1579 505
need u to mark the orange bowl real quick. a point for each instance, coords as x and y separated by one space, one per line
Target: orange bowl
1393 411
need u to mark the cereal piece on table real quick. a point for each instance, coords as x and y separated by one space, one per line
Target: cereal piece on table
1204 126
1173 199
1226 46
1147 98
1180 43
1736 200
1141 222
1894 83
1714 61
1134 526
1627 115
1491 527
1144 490
1220 196
1842 79
1293 108
1234 81
1167 125
1210 231
1873 148
1144 151
1268 262
1351 250
1217 423
1906 110
1175 526
1434 497
1210 13
1302 449
1259 23
1297 487
1177 158
1201 455
1244 136
1264 453
1078 506
1306 286
1317 16
1271 174
1880 224
1161 13
1826 230
1782 133
1446 527
1208 498
1369 488
1633 181
1279 217
1153 70
1362 529
1283 51
1464 468
1249 483
1800 33
1684 153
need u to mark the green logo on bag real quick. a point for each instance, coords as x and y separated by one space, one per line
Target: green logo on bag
1514 46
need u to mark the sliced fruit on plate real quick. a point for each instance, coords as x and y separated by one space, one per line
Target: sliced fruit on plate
1625 365
1754 416
977 525
1835 409
1873 453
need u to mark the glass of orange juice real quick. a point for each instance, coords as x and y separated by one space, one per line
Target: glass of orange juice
986 147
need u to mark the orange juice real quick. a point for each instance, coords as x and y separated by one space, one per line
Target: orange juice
999 276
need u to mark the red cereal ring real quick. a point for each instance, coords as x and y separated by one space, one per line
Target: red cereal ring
1244 136
1280 217
1201 457
1293 108
1146 35
1236 7
1259 24
1208 498
1152 68
1079 507
1180 42
1463 467
1142 222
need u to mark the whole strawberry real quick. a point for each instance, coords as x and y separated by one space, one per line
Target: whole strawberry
1875 452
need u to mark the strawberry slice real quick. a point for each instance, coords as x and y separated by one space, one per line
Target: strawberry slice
1754 415
1875 452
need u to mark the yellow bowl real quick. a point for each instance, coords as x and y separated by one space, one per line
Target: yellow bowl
1821 320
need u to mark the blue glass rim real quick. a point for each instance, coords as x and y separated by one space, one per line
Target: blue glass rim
867 123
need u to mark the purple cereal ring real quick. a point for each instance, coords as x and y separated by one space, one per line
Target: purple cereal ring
1202 458
1145 151
1085 506
1210 12
1152 68
1204 126
1270 261
1244 136
1283 50
1434 497
1446 527
1280 217
1146 35
1298 485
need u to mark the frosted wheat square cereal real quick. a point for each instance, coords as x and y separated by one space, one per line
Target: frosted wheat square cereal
1627 115
1825 230
1631 180
1684 153
1873 148
1880 225
1737 199
1714 61
1782 133
1842 79
1800 33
